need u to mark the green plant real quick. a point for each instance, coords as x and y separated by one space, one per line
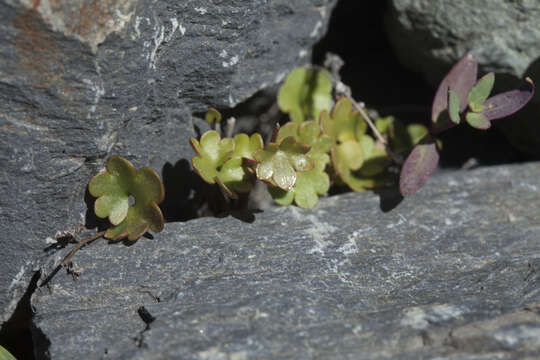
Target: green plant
279 163
460 96
311 183
113 189
305 93
128 198
5 355
221 160
305 158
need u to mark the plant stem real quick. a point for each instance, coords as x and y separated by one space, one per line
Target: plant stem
346 91
369 122
79 245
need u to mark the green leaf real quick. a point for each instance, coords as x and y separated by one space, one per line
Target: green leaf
305 94
279 164
113 189
383 124
309 133
245 146
234 177
375 157
416 132
453 106
402 138
356 159
305 193
480 92
212 116
312 183
478 121
212 152
5 355
220 160
350 154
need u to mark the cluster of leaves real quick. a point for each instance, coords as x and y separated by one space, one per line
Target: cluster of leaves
319 147
322 145
460 96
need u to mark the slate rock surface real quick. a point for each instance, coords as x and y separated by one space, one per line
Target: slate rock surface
430 36
81 80
450 273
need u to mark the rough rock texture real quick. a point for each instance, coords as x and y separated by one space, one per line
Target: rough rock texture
452 272
80 80
430 36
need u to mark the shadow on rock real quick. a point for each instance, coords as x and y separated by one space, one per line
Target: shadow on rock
18 335
389 198
182 189
91 221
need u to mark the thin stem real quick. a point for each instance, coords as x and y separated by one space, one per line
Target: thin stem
369 122
79 245
346 91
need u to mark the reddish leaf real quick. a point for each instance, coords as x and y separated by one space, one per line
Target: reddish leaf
509 102
461 80
418 167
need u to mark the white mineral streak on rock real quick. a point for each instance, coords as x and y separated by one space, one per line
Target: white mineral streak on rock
319 231
418 318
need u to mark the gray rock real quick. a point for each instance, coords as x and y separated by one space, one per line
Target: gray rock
430 36
81 80
451 272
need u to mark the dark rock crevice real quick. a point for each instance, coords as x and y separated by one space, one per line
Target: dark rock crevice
17 334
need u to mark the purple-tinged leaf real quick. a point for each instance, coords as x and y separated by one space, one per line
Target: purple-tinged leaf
460 79
418 167
477 121
509 102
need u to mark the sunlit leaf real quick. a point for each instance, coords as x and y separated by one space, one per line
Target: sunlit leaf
113 189
279 164
305 94
212 116
477 121
480 92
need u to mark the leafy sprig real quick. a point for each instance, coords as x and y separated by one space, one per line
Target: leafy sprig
460 96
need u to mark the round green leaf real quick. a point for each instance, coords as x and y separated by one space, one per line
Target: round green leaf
478 121
213 116
304 94
351 152
113 188
113 206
